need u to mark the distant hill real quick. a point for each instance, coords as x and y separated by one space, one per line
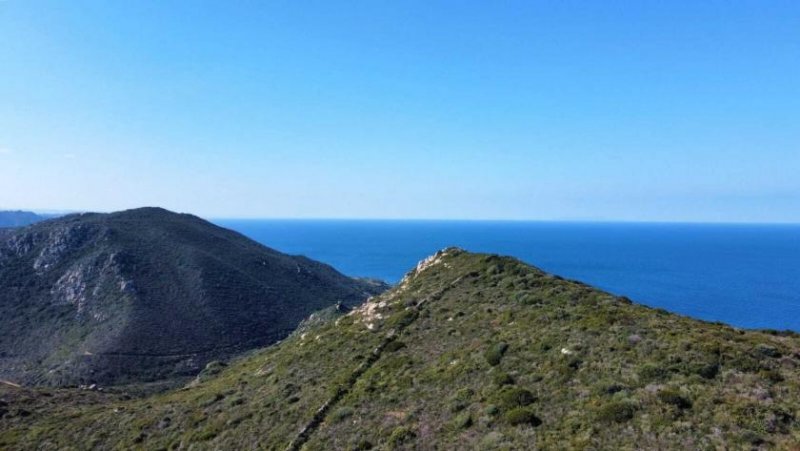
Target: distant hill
470 351
19 218
147 294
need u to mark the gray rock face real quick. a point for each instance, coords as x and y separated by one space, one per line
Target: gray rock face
59 242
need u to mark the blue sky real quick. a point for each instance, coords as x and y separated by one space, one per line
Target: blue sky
607 110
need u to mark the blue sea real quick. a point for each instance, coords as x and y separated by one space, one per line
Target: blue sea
744 275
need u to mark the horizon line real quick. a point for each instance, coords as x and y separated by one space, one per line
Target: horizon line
520 220
212 218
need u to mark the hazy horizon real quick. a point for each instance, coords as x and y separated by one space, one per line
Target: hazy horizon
59 212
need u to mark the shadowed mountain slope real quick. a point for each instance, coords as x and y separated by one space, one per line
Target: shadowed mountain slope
469 352
147 294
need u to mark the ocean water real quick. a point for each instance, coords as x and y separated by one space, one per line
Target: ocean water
744 275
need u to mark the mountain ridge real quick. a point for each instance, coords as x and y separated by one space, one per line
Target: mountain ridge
87 294
19 218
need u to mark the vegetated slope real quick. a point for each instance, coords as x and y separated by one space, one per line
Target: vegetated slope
19 218
146 294
468 352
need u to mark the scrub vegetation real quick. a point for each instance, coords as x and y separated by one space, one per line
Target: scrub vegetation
470 351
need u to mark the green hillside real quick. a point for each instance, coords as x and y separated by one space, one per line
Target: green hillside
470 351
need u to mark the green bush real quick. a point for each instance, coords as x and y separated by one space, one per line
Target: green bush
673 397
609 388
751 438
527 299
461 400
213 399
495 353
708 371
574 363
522 416
502 378
768 351
511 397
494 269
236 401
744 363
771 375
492 440
650 372
402 319
616 412
363 445
207 434
394 346
341 414
401 435
463 421
211 370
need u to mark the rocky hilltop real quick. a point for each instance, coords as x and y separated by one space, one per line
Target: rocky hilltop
470 351
147 294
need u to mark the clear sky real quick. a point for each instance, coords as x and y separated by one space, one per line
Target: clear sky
607 110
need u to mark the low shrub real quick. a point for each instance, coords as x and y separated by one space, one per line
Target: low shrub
495 353
616 412
400 436
341 414
768 351
771 375
651 372
211 370
708 371
463 421
236 401
511 397
502 378
213 399
402 319
461 400
609 388
673 397
494 269
394 346
519 416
